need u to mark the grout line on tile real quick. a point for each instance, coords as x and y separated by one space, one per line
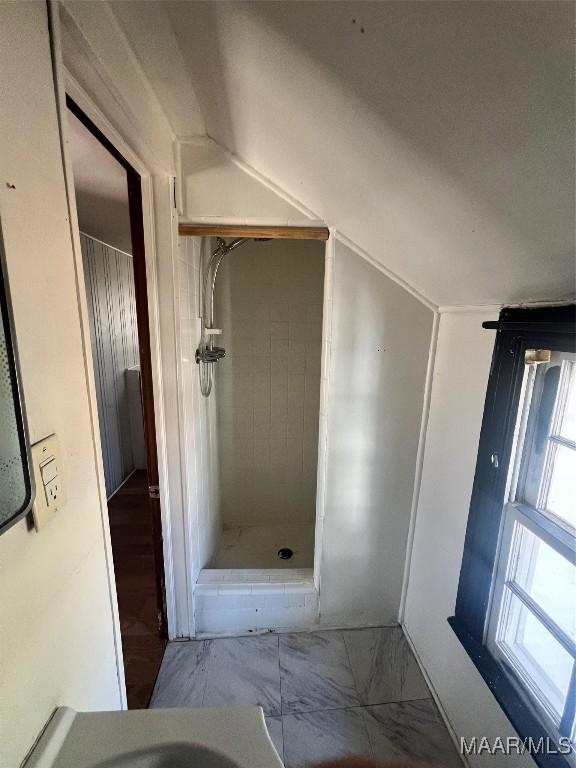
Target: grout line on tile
282 732
359 706
356 686
281 697
208 646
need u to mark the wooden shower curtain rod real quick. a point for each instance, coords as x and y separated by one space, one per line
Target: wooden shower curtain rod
241 230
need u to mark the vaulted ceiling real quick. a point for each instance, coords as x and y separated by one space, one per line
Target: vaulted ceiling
438 136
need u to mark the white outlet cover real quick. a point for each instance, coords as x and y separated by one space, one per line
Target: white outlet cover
50 487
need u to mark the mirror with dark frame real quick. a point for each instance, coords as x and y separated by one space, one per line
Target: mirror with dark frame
16 485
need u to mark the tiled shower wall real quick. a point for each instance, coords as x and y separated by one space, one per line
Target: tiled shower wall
268 301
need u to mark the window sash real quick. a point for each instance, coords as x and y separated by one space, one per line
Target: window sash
531 519
532 474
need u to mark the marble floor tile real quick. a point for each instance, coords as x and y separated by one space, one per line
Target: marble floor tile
319 682
274 725
244 670
183 674
383 665
410 730
315 673
311 737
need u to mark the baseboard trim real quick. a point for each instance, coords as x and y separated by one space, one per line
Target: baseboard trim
453 735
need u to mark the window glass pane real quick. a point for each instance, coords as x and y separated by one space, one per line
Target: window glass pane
568 425
548 577
547 418
561 499
536 654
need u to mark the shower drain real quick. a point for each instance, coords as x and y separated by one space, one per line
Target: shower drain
285 553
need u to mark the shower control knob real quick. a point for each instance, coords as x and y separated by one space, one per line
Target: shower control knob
210 355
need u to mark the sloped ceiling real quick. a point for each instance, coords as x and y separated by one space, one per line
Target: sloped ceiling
438 136
150 33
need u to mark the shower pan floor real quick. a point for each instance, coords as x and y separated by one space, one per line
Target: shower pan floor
257 547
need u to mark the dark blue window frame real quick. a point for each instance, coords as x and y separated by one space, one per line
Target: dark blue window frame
518 329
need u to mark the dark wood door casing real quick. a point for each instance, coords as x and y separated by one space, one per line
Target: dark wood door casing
134 181
143 323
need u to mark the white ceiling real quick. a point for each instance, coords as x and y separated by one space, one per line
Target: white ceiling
149 30
437 136
101 188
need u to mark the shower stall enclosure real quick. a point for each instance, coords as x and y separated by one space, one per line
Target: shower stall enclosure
251 321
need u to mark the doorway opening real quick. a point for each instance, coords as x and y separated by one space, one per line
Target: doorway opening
257 298
109 205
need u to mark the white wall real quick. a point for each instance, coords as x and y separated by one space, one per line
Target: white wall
198 417
216 187
460 378
268 302
56 626
379 342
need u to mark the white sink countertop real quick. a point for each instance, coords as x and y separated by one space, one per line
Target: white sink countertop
230 737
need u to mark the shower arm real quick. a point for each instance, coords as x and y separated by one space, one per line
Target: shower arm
207 353
210 280
212 270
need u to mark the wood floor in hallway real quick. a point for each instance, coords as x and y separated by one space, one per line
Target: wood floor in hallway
133 553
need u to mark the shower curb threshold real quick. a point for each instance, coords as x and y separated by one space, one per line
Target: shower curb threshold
214 581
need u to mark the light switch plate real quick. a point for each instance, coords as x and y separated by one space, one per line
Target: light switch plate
48 474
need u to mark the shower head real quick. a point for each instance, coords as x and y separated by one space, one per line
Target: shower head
216 257
224 247
236 243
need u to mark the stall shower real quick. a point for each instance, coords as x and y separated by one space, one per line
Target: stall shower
259 305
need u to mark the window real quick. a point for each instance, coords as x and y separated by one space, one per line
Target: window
532 621
516 606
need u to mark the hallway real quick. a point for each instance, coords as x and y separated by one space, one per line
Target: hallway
132 549
324 694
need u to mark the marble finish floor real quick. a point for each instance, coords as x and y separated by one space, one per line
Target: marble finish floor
325 694
257 546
